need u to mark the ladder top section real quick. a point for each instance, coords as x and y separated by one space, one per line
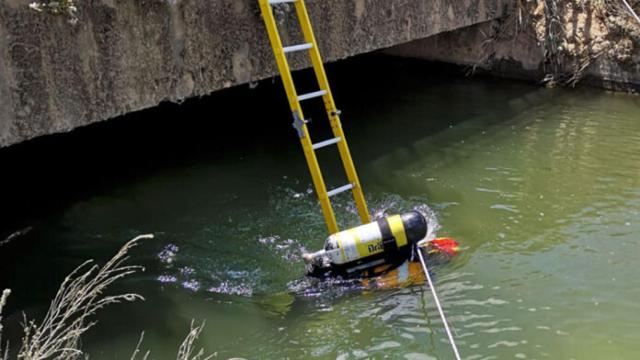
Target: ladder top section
295 104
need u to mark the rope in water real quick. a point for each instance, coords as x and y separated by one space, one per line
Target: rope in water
435 297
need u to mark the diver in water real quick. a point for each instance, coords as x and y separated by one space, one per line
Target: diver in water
362 259
380 254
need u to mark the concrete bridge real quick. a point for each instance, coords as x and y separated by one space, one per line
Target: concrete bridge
127 55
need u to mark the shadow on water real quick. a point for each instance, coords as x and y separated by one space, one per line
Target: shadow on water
47 181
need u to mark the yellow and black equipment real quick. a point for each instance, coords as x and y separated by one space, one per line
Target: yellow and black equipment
387 241
365 246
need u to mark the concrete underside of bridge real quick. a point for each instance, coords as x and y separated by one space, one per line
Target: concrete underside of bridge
123 55
602 56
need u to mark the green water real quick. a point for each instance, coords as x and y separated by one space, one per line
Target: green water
540 186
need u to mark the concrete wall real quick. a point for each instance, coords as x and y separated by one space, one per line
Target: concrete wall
127 55
518 52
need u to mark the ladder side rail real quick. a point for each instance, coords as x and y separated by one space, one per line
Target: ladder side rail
294 104
332 112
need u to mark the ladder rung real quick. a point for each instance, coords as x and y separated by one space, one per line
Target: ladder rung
272 2
322 144
312 95
339 190
288 49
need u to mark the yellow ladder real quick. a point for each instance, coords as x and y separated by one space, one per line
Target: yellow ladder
299 122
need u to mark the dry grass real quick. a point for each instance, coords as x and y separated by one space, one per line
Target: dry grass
573 34
4 351
187 350
632 8
79 297
70 314
137 351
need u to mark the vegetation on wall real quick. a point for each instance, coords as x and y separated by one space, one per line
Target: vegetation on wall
61 7
574 33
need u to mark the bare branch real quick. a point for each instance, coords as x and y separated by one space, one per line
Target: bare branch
631 11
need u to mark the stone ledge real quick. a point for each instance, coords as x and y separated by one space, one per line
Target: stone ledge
125 55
